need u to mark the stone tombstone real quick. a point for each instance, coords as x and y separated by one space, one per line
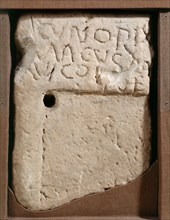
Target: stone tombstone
82 119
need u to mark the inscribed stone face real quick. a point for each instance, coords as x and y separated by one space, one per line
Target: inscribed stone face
82 120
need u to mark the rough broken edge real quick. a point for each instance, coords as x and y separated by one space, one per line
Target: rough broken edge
141 189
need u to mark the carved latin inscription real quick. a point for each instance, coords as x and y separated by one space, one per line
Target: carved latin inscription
97 54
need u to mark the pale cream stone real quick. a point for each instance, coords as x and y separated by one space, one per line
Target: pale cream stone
97 135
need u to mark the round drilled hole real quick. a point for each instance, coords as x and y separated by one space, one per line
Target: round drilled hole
49 100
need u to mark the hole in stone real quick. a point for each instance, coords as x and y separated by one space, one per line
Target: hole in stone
49 100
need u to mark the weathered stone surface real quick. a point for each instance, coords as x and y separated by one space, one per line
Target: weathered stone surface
97 134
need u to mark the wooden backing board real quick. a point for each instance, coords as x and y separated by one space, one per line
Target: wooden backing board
164 115
163 108
82 4
5 65
88 218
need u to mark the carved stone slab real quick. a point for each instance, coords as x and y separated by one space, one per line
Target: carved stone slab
82 120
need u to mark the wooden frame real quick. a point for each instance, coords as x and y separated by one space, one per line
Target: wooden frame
163 92
164 115
81 4
4 109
